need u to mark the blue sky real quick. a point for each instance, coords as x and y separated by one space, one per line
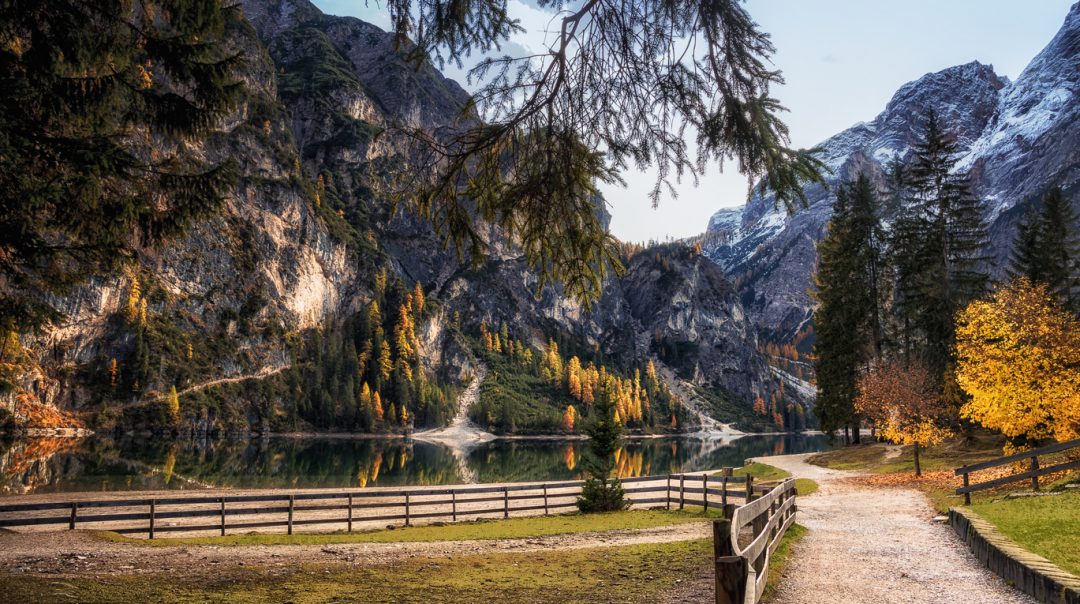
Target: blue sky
842 60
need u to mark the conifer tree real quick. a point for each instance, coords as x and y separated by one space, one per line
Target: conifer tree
616 87
848 318
172 405
1047 250
946 238
602 492
100 103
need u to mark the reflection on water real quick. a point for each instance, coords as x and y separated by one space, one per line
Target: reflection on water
104 464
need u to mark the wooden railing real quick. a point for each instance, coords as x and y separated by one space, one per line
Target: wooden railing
349 507
744 543
1033 473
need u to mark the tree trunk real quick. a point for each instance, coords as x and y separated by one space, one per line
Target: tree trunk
847 435
856 424
918 467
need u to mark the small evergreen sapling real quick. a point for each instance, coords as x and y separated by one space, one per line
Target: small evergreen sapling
602 492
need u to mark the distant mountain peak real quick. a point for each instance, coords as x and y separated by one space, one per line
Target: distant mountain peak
1020 137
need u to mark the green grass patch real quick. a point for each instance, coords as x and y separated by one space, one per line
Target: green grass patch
805 486
639 573
514 528
1048 526
780 559
873 457
762 472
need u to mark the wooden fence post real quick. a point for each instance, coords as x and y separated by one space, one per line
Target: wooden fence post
730 569
723 491
506 503
453 505
350 512
407 519
1035 477
74 513
152 505
222 516
705 490
292 501
749 488
967 483
682 491
667 493
545 500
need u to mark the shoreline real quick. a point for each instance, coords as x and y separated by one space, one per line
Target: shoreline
416 436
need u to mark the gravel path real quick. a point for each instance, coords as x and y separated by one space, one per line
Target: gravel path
876 545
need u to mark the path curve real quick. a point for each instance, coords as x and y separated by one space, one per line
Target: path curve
870 545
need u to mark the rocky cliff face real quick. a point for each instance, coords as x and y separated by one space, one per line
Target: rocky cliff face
300 242
1020 138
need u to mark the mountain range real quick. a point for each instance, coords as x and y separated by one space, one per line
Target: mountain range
1019 139
308 238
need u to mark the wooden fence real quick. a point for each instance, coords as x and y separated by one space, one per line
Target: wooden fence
744 543
1033 473
222 513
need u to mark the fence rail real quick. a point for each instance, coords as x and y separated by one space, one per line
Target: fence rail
1033 473
745 540
221 513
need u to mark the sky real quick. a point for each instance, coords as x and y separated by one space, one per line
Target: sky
842 61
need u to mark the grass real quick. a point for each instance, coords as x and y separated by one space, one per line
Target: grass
780 558
514 528
639 573
1048 526
871 458
766 473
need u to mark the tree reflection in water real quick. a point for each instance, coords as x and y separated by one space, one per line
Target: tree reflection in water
104 464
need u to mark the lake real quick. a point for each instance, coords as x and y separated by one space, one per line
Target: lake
106 464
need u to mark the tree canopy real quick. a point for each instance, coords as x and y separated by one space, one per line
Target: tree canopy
622 84
100 104
1018 356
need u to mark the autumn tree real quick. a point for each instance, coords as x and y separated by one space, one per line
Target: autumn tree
172 405
569 418
1017 358
903 400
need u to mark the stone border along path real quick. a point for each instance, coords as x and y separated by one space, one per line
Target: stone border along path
878 545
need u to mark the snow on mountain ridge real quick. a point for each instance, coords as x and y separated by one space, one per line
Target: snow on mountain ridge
1019 138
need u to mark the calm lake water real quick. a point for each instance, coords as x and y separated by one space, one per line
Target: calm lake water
104 464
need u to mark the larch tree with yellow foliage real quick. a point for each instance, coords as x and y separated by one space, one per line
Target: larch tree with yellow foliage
569 418
904 402
1018 358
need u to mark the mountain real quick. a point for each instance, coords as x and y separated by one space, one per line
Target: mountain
1020 138
259 315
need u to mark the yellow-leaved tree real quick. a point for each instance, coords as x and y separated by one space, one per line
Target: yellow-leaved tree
904 403
1018 358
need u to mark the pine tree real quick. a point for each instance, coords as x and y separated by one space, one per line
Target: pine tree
1047 250
100 106
602 492
954 236
616 85
848 317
